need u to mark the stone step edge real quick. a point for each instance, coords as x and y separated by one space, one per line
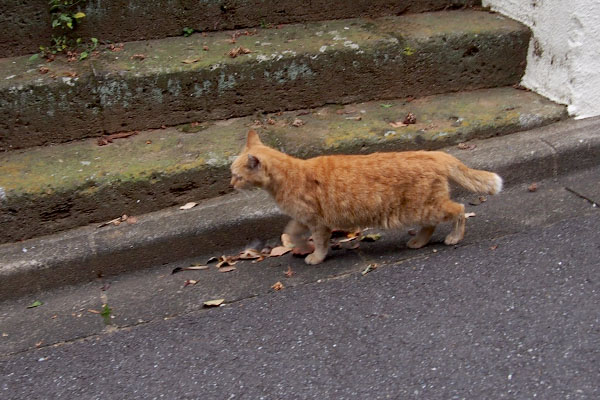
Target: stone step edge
232 221
49 189
171 81
152 20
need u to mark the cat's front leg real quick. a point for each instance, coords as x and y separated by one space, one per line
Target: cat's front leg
321 236
296 232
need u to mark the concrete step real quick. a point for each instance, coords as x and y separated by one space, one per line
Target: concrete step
53 188
172 81
27 25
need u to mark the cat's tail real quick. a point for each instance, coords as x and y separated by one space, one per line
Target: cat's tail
475 180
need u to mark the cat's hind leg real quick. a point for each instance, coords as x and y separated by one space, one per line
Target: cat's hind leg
422 238
321 236
454 212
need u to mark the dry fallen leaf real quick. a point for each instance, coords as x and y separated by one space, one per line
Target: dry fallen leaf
270 121
213 303
277 286
289 272
355 118
189 282
303 251
370 238
195 267
494 247
369 268
250 254
233 53
43 70
205 48
397 124
131 220
189 205
226 261
94 311
478 201
297 122
279 251
410 119
190 60
470 214
466 146
533 187
138 57
227 269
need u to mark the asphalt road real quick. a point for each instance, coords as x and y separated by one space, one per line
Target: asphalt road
515 315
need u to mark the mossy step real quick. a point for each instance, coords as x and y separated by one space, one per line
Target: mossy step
173 81
48 189
26 24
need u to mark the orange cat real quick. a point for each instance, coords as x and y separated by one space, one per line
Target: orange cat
386 190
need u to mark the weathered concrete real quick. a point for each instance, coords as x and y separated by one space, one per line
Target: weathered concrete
294 67
26 24
233 220
48 189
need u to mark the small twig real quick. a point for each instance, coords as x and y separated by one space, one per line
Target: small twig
583 197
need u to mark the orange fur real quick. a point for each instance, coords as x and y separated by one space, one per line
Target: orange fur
387 190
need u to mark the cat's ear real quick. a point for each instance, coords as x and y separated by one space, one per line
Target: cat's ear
253 162
252 139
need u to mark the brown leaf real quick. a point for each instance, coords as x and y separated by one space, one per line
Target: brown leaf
43 70
369 268
466 146
116 47
370 238
213 303
279 251
250 254
277 286
289 272
533 187
191 60
478 201
189 282
494 247
227 269
303 251
195 267
189 205
148 141
470 214
226 261
410 119
138 57
205 48
297 122
131 220
397 124
270 121
233 53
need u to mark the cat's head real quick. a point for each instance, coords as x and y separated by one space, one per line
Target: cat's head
247 170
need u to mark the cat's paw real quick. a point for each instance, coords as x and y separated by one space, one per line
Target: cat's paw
313 259
452 239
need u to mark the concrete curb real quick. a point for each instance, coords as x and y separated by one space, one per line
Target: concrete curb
165 236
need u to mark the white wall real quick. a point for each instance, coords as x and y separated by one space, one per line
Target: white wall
563 63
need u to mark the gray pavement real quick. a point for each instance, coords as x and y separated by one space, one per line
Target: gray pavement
512 312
